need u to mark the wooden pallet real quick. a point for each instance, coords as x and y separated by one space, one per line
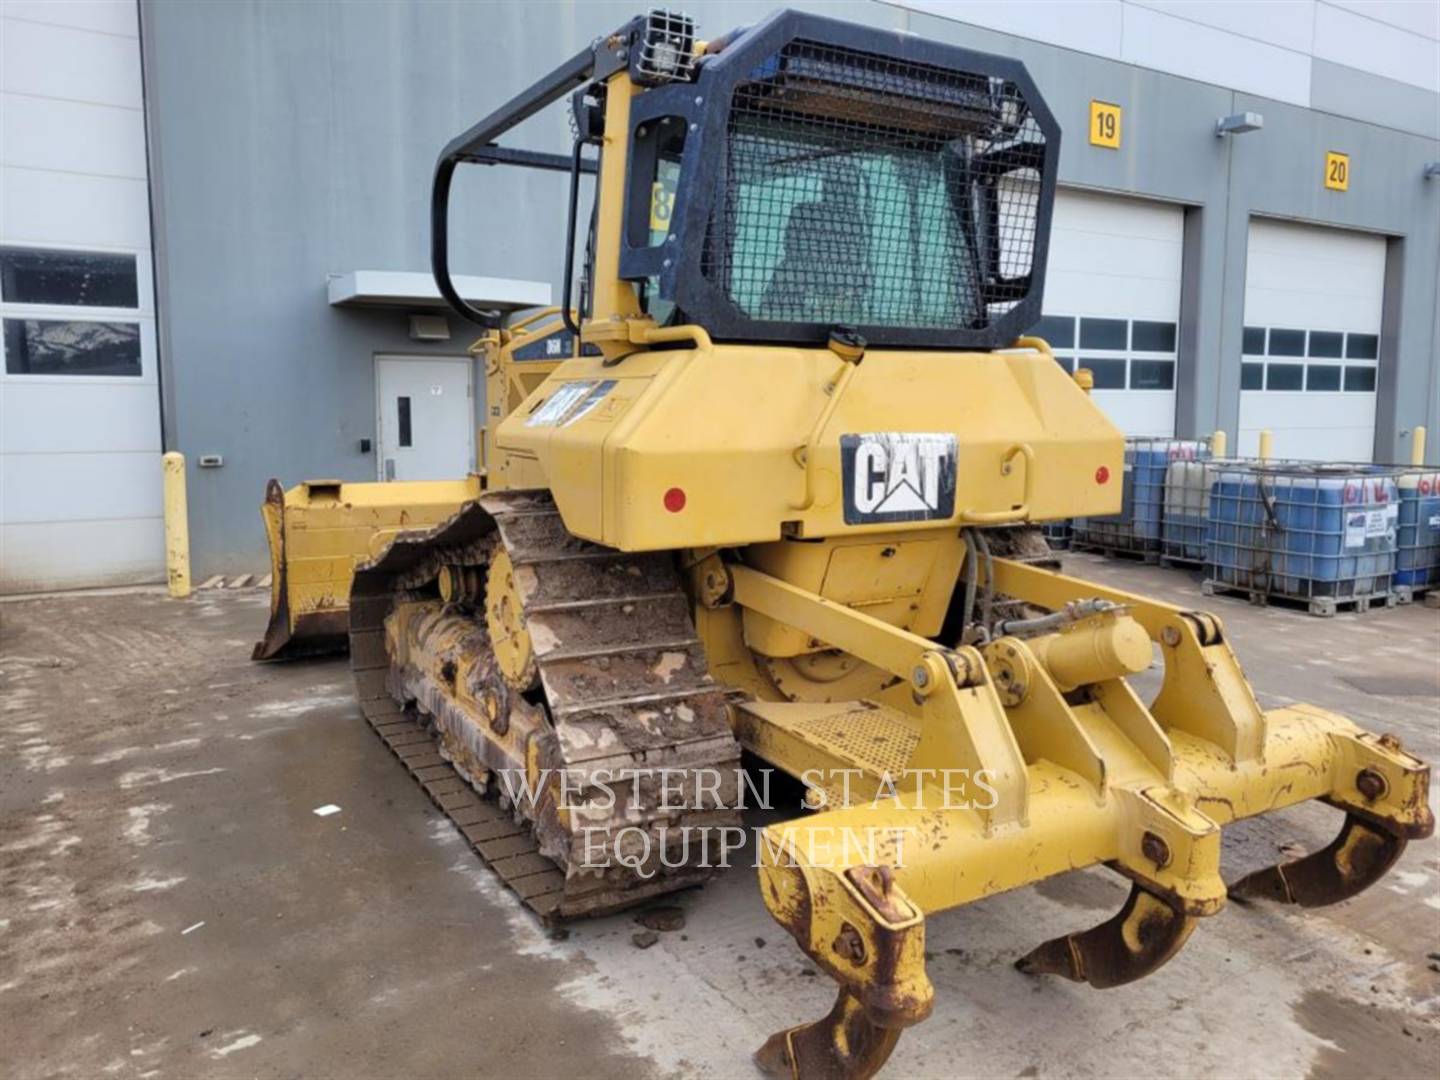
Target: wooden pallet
1322 606
1181 562
1151 558
1408 594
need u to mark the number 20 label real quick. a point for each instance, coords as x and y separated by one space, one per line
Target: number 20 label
1337 171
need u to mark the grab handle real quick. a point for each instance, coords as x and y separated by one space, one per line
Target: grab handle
1018 513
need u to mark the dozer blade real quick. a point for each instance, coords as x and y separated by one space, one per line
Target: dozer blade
291 634
317 531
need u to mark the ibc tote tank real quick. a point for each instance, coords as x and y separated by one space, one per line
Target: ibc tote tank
1187 510
1321 534
1417 563
1137 527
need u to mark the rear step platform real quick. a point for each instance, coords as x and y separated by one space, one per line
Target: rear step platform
863 743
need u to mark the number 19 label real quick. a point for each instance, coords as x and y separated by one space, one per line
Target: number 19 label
1105 125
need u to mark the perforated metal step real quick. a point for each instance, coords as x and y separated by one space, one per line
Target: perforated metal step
827 738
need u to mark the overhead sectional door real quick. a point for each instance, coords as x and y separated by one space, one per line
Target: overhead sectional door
1112 302
1312 337
80 498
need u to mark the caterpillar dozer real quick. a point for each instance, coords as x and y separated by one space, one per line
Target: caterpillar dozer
784 499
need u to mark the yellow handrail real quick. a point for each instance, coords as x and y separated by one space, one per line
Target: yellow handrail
1017 513
657 335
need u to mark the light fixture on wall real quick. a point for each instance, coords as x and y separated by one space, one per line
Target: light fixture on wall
429 328
1239 124
1432 171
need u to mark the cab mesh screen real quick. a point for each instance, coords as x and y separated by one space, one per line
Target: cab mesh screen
855 192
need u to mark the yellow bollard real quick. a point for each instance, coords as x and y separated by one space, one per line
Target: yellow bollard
1267 445
177 526
1417 445
1217 444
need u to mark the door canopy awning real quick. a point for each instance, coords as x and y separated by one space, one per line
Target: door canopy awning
412 289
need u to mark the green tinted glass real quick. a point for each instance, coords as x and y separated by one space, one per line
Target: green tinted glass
856 234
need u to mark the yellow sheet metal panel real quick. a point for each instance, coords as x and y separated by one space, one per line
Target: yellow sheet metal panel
903 578
699 446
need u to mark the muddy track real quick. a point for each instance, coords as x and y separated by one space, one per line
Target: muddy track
623 693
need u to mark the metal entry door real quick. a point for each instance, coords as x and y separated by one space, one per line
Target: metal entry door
425 424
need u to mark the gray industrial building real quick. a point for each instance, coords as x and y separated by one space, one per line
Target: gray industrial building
1283 277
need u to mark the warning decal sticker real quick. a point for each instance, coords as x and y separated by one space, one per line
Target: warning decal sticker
570 402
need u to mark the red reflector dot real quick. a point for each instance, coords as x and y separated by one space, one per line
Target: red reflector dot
1102 475
674 500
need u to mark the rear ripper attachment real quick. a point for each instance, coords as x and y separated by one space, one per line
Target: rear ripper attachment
563 683
1080 772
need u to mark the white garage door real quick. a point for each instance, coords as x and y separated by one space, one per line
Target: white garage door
1312 333
1112 302
79 405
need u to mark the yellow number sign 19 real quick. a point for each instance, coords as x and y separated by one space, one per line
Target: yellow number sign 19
1105 125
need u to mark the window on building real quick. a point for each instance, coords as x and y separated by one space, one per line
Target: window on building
72 278
1152 336
1058 330
1326 344
1103 334
1362 346
71 347
1142 351
1360 378
1316 344
1109 374
1287 342
1285 376
1152 374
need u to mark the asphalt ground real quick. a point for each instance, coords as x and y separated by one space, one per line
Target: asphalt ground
172 906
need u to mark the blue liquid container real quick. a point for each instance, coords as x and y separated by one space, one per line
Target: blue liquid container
1139 525
1417 563
1304 531
1186 521
1058 533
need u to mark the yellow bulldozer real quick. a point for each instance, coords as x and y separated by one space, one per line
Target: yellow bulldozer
781 495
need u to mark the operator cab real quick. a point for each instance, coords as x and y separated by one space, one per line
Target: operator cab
806 174
795 176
